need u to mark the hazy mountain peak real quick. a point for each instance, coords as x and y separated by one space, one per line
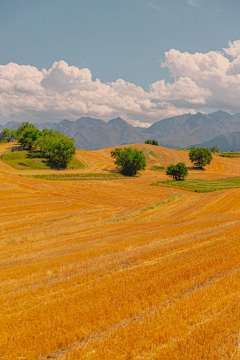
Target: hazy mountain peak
118 119
197 120
199 115
218 115
176 132
66 122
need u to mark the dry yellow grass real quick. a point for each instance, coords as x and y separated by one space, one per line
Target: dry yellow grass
94 270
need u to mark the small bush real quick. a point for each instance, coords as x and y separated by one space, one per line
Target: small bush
177 172
214 149
151 142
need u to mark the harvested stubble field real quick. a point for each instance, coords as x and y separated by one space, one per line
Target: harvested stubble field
119 269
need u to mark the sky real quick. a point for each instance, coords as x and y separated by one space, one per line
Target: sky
142 60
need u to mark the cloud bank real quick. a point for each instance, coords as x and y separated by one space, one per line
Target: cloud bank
202 81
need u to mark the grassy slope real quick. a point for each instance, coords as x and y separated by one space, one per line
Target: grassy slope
119 270
21 159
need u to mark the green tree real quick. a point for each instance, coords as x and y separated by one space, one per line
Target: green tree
8 135
5 135
41 140
177 172
58 149
214 149
23 127
14 136
28 136
151 142
200 157
129 160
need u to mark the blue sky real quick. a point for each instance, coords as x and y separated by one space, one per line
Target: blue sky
113 39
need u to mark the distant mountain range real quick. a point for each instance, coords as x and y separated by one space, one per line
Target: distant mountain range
224 143
218 128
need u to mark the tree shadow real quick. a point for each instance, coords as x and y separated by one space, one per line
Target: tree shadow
113 171
53 166
118 172
34 154
196 168
17 148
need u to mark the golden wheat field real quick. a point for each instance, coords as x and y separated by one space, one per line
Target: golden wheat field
100 269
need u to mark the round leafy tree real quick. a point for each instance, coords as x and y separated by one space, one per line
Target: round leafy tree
200 157
177 172
58 149
28 136
129 160
151 142
25 125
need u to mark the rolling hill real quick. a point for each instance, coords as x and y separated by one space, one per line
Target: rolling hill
119 269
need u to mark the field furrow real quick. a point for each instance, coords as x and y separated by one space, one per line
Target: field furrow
119 269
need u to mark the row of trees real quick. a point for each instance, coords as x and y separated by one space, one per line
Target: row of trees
132 160
200 157
151 142
53 145
59 150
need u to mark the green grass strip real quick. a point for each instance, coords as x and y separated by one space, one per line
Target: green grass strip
32 160
230 154
157 168
52 220
202 185
84 176
149 153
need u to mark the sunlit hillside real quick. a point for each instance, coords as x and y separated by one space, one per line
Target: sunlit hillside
119 269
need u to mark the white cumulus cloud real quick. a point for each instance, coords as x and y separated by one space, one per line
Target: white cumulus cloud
202 81
233 49
213 73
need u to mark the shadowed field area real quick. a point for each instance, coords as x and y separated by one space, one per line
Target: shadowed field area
119 269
